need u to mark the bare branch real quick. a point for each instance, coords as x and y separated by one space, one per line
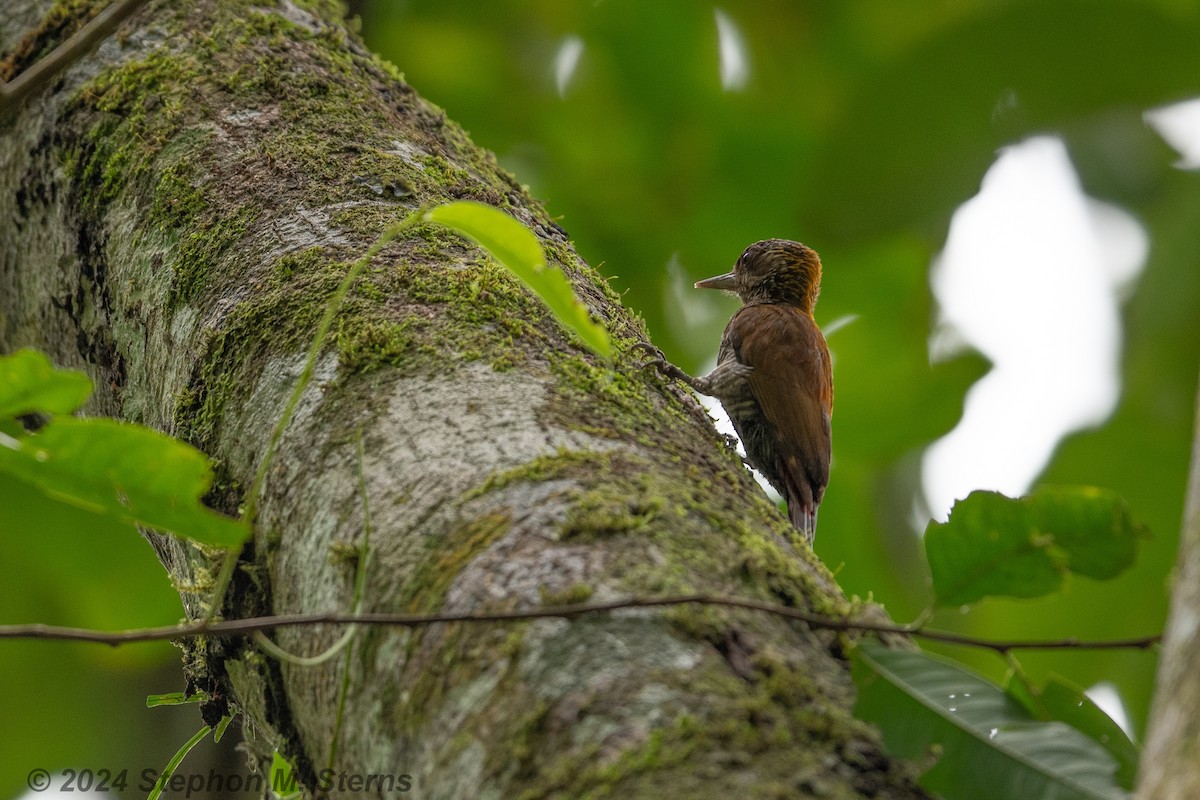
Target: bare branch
87 37
244 626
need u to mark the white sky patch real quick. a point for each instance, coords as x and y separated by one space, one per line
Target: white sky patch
1179 124
1105 695
1031 276
565 62
735 67
55 792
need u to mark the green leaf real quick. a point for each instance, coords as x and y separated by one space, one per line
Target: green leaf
1064 701
222 726
163 779
995 545
124 471
284 784
29 382
1092 525
514 246
174 699
989 545
988 746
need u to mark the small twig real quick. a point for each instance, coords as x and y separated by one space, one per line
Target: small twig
239 627
41 73
360 592
279 654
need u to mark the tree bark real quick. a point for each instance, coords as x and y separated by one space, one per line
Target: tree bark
180 205
1170 765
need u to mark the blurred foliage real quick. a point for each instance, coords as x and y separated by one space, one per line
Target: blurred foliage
79 705
73 490
860 128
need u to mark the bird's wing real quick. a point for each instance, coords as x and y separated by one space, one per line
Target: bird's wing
793 384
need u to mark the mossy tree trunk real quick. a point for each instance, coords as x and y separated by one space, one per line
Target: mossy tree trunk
179 206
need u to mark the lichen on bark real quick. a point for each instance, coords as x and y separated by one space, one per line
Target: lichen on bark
191 194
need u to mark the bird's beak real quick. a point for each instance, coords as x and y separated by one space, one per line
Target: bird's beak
727 282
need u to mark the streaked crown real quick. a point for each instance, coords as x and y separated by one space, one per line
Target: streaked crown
779 271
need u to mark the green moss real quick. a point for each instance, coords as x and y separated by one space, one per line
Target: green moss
366 344
665 747
370 220
202 249
766 725
609 509
653 501
201 583
541 469
760 725
704 623
572 595
283 316
442 172
300 263
140 111
613 403
345 554
425 590
138 107
524 750
398 316
61 21
176 200
507 360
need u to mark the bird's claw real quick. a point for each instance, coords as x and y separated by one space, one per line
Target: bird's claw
657 359
653 351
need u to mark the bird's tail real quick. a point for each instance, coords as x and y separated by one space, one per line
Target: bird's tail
804 516
801 504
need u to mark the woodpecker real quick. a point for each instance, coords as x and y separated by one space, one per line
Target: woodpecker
773 374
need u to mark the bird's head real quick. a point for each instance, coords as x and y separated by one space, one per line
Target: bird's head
773 271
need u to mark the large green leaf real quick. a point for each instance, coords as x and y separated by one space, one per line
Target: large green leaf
1063 701
124 471
29 383
996 545
513 245
988 747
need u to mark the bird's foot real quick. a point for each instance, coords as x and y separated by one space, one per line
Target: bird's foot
658 360
734 443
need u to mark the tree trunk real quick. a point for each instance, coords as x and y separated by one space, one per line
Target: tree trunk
181 203
1171 759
